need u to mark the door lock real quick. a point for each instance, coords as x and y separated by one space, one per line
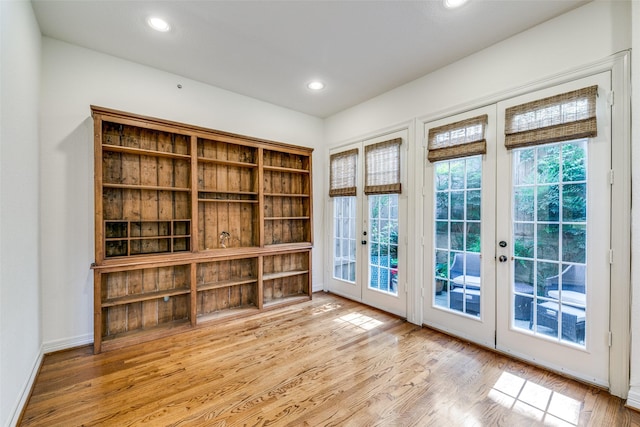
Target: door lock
502 258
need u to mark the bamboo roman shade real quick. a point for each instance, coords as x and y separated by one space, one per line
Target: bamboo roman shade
459 139
382 167
562 117
342 175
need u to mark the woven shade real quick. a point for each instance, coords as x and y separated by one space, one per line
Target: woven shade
342 175
382 167
571 115
459 139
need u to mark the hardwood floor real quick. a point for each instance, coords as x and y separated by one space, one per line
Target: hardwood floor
328 362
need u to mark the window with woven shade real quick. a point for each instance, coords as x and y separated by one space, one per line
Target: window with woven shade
459 139
563 117
342 174
382 167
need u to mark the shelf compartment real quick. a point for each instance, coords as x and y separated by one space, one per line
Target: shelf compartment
280 230
225 152
124 320
228 225
285 275
226 284
135 299
140 281
130 170
123 136
286 161
146 237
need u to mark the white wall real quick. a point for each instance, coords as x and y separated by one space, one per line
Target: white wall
20 325
580 37
566 44
75 78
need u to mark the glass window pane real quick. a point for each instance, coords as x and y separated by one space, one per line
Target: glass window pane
548 164
473 237
523 204
573 161
548 241
523 272
457 174
574 202
523 240
547 278
442 205
473 205
523 167
548 203
457 236
474 172
574 243
442 234
457 205
442 176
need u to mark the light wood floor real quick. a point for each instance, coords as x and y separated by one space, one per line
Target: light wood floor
328 362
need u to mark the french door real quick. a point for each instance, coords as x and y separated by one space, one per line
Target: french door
368 234
459 215
553 287
519 259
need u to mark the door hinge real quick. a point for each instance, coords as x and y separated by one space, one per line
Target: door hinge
610 256
422 292
611 177
610 339
422 240
610 98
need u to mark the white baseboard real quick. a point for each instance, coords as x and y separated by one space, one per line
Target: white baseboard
633 398
26 390
66 343
317 287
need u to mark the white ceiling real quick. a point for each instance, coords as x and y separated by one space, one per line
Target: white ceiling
269 49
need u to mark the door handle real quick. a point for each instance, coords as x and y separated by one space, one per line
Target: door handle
502 258
364 242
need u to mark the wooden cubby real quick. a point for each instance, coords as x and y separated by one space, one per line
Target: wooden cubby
194 225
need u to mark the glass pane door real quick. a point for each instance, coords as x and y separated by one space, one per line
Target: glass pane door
553 215
457 202
550 201
459 269
383 243
344 238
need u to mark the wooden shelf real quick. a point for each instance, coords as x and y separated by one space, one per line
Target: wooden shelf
276 218
283 274
285 195
111 302
289 300
226 283
227 162
144 187
143 152
228 314
283 169
227 201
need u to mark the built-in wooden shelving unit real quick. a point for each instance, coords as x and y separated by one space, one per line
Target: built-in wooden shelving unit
194 225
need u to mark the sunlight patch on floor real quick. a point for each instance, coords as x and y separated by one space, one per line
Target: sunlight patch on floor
535 401
360 320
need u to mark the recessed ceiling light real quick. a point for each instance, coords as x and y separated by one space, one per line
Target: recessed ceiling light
452 4
158 24
316 85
